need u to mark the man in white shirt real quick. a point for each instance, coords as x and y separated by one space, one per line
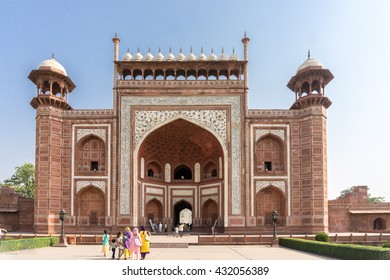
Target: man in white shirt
181 228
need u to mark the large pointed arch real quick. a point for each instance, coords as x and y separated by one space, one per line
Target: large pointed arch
267 200
91 206
228 111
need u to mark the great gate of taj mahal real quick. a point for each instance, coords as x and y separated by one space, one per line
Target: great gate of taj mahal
180 137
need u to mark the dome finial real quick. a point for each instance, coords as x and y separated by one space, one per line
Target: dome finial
52 55
308 54
116 35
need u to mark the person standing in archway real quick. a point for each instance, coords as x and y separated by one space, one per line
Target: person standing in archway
181 229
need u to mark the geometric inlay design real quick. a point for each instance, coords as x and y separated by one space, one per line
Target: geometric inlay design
150 197
209 191
155 191
205 198
277 132
182 192
145 120
281 185
190 200
101 185
101 133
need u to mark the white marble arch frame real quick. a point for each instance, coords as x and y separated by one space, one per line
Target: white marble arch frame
125 144
177 117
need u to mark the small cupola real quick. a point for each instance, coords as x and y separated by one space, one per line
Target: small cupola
309 83
53 84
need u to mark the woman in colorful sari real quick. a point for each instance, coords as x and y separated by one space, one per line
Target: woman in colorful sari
126 243
135 245
146 238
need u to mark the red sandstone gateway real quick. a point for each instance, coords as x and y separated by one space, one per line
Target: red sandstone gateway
181 146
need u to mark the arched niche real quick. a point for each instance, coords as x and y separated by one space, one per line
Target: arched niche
154 210
209 212
91 207
210 171
91 155
154 170
269 155
268 200
182 172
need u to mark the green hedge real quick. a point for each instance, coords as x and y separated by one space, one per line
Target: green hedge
337 251
29 243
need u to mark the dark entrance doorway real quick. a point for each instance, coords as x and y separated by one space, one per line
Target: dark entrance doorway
178 208
379 224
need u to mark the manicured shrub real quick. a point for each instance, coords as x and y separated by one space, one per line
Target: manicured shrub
322 236
29 243
337 251
386 245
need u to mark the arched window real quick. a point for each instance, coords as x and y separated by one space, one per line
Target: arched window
269 154
315 87
56 88
182 172
305 90
379 224
91 155
210 170
154 170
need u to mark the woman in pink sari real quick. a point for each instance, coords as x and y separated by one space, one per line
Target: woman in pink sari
135 245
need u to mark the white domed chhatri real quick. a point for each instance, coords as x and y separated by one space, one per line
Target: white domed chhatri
149 56
310 62
127 56
212 56
52 64
191 56
223 57
170 56
181 56
138 56
233 57
202 56
159 56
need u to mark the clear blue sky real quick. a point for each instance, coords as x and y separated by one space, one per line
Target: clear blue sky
351 38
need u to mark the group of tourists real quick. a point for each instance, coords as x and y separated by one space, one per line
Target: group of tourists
132 245
159 227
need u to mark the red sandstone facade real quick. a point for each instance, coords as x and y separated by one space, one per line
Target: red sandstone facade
181 136
354 213
16 212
